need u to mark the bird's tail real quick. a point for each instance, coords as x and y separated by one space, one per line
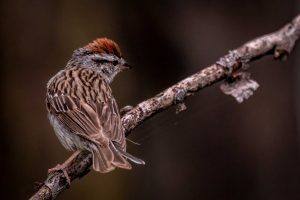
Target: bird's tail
127 155
106 159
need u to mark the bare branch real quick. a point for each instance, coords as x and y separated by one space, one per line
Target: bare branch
279 43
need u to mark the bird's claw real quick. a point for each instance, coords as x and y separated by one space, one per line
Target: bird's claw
125 109
62 168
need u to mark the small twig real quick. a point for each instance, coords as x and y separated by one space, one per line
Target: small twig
279 43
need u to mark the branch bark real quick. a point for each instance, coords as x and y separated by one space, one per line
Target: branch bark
279 43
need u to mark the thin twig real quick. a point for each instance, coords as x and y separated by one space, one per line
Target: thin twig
279 43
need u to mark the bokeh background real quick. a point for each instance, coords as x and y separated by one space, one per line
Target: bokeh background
216 149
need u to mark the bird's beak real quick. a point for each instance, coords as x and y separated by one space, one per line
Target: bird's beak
125 65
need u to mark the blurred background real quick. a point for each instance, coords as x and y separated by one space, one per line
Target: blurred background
216 149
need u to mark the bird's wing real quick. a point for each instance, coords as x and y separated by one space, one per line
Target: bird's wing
97 120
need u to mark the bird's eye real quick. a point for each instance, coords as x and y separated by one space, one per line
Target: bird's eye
115 62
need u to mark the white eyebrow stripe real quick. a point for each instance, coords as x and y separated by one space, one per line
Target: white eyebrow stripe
108 57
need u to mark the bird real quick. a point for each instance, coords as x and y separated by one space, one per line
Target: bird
82 109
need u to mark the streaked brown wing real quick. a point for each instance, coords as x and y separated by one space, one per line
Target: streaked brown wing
113 123
96 121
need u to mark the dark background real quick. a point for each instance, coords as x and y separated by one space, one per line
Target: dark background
216 149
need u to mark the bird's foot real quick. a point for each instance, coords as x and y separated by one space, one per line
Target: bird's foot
125 110
62 168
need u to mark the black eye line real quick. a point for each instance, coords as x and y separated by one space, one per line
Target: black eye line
102 61
99 60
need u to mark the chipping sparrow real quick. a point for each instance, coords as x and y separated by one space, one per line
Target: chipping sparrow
82 110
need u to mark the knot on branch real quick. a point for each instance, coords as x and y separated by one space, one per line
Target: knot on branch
180 94
290 34
233 61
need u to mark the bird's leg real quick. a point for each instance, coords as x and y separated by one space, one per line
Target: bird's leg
63 167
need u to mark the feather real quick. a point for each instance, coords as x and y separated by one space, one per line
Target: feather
129 156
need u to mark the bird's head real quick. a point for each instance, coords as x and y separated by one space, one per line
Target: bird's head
102 55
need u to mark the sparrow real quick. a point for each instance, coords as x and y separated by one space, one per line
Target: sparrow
82 109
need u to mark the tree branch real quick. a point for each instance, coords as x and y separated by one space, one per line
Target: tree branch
279 43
